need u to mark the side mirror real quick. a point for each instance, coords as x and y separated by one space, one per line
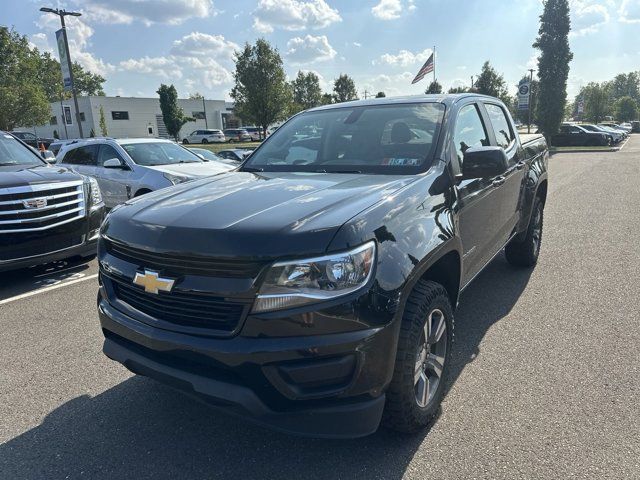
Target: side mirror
114 163
484 162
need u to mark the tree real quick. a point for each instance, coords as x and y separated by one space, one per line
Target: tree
23 101
326 99
625 85
195 96
87 83
306 90
553 64
434 87
103 123
596 102
458 90
172 115
261 93
626 109
381 94
344 89
490 82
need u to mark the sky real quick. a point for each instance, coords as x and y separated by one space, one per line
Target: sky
137 45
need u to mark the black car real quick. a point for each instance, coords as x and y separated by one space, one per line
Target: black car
33 140
47 213
314 288
577 136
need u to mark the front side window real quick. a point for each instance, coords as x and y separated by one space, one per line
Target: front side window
469 131
159 153
369 139
501 125
107 152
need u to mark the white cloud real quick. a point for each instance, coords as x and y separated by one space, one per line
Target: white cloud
41 42
587 16
630 11
404 58
387 9
357 44
148 12
309 49
293 15
163 67
198 44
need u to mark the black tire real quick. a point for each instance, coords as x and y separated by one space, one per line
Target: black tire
524 252
204 141
402 409
185 142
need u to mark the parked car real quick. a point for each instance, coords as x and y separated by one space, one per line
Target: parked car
635 126
33 140
255 132
577 136
46 213
58 144
627 126
208 156
616 127
237 135
614 135
130 167
205 136
235 154
314 295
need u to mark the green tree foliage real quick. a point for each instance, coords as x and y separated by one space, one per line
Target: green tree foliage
50 76
626 109
625 85
490 82
195 96
172 115
381 94
553 64
306 90
23 101
344 89
326 99
261 93
103 123
459 90
87 83
596 102
434 87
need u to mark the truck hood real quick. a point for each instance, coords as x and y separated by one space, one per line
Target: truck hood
21 175
194 170
250 215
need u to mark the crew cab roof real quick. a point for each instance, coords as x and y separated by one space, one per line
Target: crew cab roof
446 99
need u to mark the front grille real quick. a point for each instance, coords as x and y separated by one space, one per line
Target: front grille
180 308
178 265
53 205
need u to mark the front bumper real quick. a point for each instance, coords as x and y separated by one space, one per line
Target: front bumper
329 385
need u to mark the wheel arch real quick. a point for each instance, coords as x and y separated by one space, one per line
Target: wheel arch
446 270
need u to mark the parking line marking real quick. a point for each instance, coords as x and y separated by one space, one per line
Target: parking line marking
46 289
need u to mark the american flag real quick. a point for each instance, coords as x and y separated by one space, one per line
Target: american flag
426 68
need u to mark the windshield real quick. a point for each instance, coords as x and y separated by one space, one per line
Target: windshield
159 153
12 152
389 139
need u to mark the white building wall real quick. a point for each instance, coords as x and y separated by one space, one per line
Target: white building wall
142 112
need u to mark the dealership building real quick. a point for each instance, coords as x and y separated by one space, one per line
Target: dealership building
132 117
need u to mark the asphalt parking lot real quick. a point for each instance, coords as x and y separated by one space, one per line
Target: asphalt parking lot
545 384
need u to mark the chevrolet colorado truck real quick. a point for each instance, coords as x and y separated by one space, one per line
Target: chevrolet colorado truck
313 289
47 212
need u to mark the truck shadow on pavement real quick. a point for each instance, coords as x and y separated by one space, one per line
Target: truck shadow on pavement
142 429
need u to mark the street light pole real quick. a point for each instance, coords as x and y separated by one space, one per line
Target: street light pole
530 99
62 13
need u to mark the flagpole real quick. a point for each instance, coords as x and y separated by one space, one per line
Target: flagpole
434 63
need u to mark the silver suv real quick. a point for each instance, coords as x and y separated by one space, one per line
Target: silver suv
205 136
128 167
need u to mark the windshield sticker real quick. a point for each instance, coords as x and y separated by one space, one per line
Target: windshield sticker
401 161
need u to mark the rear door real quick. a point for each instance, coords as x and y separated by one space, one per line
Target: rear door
510 191
115 183
478 199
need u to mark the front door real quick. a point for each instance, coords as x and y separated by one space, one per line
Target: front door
114 182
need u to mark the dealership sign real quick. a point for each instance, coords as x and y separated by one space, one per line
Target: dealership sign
64 61
524 92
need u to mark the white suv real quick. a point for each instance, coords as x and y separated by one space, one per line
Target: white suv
128 167
205 136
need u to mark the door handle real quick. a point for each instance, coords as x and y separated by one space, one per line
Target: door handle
520 165
497 181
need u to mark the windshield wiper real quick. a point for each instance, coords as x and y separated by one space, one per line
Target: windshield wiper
6 164
337 171
252 169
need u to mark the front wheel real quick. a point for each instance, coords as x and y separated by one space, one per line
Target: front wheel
185 142
422 359
524 253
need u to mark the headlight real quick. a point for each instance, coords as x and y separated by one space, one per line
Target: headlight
175 179
94 190
300 282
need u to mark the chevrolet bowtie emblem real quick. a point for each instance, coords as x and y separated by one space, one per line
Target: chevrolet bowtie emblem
152 282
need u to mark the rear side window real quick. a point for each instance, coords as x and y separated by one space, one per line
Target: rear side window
501 126
82 156
469 131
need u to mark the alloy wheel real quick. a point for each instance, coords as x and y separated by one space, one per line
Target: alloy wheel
430 358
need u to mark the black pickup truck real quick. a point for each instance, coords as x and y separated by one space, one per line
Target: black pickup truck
313 289
47 213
